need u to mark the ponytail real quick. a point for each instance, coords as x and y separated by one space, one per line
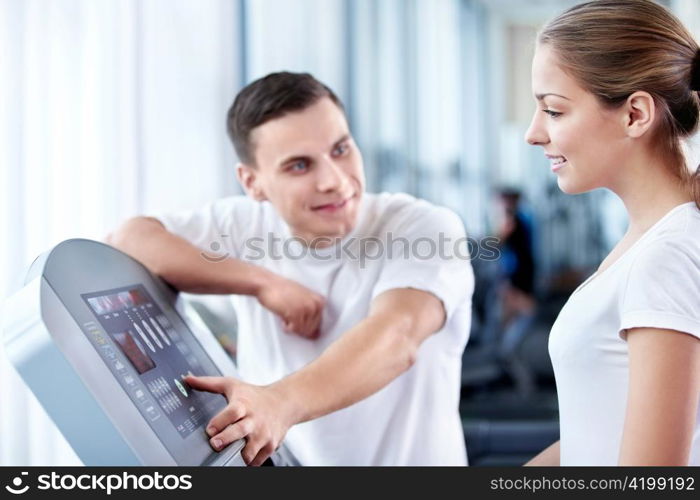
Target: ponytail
695 86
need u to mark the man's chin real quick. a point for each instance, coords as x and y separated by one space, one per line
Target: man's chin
328 235
335 234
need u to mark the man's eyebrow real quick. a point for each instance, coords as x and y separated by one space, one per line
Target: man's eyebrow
344 138
539 97
296 158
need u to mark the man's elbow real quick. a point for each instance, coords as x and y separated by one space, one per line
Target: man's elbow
132 230
134 237
411 356
415 327
406 341
119 235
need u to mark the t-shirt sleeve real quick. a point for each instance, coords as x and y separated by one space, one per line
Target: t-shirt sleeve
663 288
429 252
218 228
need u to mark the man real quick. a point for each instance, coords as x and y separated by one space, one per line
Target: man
350 350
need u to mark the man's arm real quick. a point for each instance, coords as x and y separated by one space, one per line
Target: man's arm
662 401
363 360
369 356
182 265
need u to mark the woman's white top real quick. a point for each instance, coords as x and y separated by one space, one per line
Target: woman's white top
655 284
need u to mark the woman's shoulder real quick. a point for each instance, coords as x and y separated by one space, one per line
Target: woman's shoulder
670 254
670 258
662 287
678 235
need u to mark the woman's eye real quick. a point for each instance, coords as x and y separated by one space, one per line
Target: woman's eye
553 114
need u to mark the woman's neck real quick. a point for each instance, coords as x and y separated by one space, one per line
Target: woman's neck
649 192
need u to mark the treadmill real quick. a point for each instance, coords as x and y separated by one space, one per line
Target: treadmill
104 345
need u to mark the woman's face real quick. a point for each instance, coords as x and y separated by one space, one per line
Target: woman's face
584 142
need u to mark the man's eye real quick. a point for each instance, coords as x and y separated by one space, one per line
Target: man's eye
340 150
298 166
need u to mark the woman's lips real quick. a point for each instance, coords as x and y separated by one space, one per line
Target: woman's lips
557 162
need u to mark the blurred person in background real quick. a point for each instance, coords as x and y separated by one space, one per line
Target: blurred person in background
515 233
516 294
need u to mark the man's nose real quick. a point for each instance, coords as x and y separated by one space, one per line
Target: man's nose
331 176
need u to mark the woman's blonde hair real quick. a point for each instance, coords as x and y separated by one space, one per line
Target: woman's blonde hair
614 48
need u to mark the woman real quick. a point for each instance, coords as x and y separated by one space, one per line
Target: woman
616 86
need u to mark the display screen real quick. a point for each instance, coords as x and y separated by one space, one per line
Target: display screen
150 358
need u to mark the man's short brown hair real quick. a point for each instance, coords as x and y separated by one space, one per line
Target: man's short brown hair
268 98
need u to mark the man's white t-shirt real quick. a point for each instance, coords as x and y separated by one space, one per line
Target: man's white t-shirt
654 284
414 419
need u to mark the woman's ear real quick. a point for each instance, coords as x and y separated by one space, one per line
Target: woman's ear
249 179
639 114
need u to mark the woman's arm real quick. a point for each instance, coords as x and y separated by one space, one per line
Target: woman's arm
546 458
662 400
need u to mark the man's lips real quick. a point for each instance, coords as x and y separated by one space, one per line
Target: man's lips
333 206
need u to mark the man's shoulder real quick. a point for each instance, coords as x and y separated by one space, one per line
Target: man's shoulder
396 208
241 205
386 204
241 216
234 201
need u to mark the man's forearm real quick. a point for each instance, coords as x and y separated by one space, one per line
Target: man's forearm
364 360
181 264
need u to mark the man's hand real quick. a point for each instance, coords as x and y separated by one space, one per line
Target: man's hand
257 413
299 308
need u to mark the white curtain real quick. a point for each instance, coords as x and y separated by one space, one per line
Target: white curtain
108 108
416 99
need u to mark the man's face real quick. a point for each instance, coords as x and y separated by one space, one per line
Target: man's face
310 169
